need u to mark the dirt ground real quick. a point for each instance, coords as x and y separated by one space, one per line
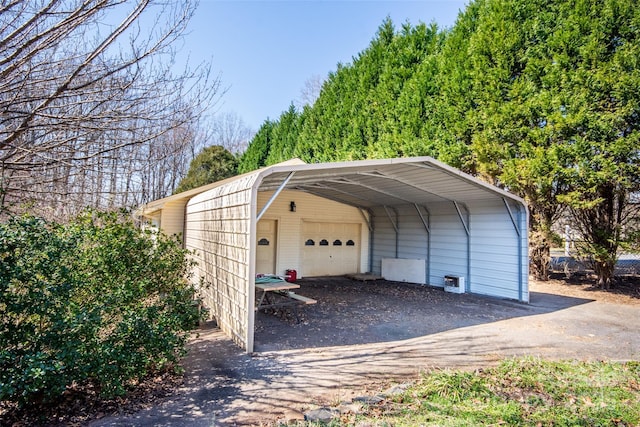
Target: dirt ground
351 312
625 290
361 337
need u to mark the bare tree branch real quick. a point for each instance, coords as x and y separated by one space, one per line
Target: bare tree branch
84 114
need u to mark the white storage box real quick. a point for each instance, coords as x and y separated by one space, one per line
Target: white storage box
454 284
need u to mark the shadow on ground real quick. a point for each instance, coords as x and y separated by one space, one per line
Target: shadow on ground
350 312
219 378
364 335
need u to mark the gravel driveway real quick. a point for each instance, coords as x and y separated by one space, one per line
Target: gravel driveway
363 337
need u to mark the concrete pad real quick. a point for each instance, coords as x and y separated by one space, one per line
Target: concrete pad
323 360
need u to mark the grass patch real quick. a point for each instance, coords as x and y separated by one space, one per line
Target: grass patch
523 391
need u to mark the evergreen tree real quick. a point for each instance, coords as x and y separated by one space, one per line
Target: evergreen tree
256 154
284 137
210 165
554 115
541 97
358 114
504 107
602 104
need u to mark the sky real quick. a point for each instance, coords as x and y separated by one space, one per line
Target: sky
265 51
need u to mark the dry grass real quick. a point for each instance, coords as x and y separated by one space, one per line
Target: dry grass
625 290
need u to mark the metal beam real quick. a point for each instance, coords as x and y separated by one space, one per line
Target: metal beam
366 219
513 220
369 187
395 226
306 179
427 227
424 221
378 174
461 176
372 232
467 282
275 195
309 188
328 197
464 223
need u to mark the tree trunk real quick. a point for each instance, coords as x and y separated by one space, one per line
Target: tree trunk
539 254
604 271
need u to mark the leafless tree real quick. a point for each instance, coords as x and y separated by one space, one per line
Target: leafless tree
230 132
90 110
310 92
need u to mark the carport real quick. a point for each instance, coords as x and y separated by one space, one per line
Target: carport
412 219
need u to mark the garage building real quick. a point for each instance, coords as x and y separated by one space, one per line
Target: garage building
412 219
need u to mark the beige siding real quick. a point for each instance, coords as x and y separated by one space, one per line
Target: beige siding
309 208
172 218
152 222
218 229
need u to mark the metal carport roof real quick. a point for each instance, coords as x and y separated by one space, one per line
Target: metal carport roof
390 182
231 212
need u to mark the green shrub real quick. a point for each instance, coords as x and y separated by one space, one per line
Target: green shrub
96 300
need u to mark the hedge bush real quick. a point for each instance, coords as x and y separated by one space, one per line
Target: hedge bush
97 300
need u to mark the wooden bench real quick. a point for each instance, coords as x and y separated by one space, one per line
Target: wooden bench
303 299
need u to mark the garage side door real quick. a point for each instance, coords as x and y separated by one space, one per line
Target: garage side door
266 246
330 249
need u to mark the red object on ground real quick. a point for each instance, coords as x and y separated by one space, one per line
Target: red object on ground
291 276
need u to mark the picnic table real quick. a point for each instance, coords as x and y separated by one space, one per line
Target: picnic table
275 292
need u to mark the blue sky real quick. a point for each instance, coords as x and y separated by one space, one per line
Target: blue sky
265 51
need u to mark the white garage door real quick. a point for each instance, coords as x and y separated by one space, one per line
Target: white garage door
330 249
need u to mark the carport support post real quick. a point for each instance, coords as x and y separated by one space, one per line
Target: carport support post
425 222
369 220
516 226
465 224
395 226
251 271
